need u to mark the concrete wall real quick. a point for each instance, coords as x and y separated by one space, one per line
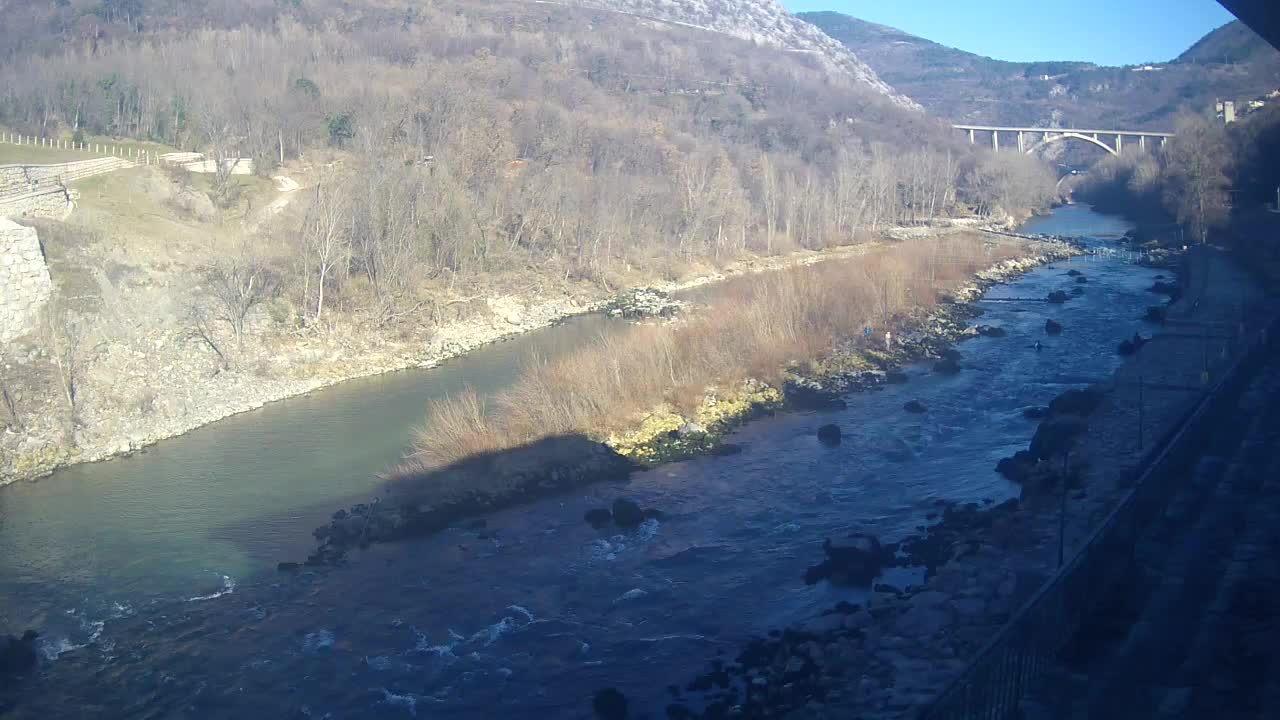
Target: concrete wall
25 285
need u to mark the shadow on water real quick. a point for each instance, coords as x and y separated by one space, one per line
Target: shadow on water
416 504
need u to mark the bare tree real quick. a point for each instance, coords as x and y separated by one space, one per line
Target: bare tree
770 203
325 237
1196 164
222 153
8 403
239 283
63 336
200 327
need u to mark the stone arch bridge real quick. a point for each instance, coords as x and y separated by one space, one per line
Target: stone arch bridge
1031 139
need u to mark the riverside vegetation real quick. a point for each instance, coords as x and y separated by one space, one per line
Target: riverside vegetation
665 392
468 170
1210 183
734 358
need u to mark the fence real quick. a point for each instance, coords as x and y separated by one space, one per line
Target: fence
137 154
1016 661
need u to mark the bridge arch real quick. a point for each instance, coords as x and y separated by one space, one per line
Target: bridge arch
1073 136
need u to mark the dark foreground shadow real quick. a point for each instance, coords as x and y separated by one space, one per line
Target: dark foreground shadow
425 501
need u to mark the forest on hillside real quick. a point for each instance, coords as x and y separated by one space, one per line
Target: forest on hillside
460 138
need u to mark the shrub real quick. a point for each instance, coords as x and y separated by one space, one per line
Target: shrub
756 327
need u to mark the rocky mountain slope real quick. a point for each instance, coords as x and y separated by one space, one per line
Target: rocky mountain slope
1232 62
760 21
1233 43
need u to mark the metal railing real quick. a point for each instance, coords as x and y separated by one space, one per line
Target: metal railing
1016 661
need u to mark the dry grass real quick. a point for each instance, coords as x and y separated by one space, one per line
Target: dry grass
753 328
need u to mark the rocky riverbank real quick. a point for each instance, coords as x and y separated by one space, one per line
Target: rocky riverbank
468 487
900 649
163 384
928 334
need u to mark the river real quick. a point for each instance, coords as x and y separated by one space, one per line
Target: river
152 577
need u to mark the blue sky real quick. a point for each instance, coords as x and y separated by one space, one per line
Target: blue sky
1108 32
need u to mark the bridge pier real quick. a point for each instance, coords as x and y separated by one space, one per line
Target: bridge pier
1119 144
995 140
1142 142
971 136
1022 146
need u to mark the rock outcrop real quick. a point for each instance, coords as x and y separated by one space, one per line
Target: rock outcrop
855 559
829 435
18 654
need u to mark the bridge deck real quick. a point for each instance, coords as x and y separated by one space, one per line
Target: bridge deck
1129 133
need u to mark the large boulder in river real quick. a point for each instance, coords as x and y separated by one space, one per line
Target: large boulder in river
1075 273
829 435
1056 435
992 331
609 704
1052 327
1057 297
855 559
1129 347
1079 402
627 514
18 655
806 397
915 406
947 366
598 517
1017 468
1156 314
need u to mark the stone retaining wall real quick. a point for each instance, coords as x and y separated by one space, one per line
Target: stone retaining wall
23 179
13 180
54 202
25 285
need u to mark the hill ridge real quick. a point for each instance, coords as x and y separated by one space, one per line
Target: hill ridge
762 21
1231 62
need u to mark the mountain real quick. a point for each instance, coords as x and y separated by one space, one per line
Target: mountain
761 21
1232 62
1231 44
